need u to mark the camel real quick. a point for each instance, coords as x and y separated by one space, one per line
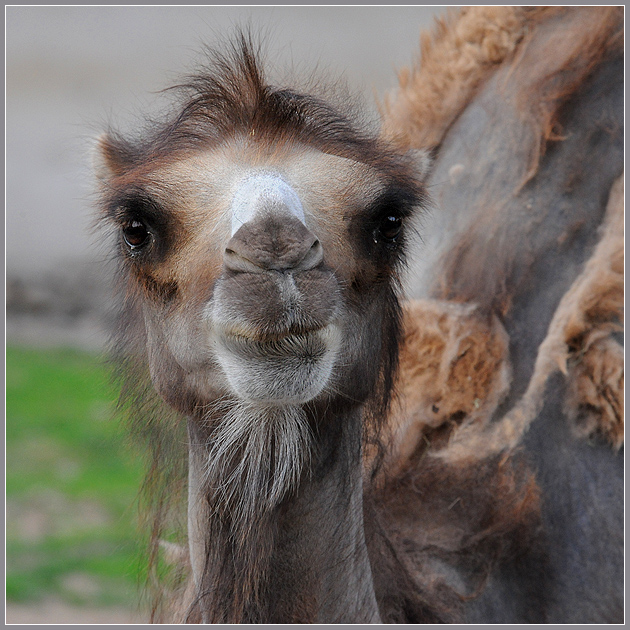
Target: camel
380 376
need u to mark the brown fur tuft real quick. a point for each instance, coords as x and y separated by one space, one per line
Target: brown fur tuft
467 46
594 402
578 344
454 59
454 371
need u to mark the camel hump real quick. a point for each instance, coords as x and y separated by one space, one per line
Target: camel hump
527 224
517 316
522 177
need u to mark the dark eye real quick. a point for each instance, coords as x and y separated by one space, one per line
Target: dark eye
390 228
135 234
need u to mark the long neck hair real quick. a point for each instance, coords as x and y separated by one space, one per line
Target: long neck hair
256 456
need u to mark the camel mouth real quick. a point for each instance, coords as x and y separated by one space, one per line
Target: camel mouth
278 369
302 344
272 308
272 339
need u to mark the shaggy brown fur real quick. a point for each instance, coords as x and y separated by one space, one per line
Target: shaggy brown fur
594 401
578 344
468 45
541 56
453 60
591 312
454 371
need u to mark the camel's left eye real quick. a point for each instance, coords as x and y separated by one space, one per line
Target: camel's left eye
390 227
135 234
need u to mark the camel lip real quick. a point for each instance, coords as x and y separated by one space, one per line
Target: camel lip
312 345
258 337
292 369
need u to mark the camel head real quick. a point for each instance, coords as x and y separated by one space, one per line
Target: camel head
261 235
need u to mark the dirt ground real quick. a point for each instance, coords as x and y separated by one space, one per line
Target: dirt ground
54 611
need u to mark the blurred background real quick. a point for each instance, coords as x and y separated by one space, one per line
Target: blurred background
71 537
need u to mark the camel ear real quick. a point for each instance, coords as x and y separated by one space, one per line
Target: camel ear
110 158
423 160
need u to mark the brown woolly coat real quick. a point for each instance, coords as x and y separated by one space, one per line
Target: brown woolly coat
455 367
458 499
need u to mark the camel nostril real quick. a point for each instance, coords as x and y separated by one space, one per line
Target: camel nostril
235 261
312 258
280 243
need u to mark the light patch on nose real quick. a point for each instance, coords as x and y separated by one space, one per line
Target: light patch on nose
263 191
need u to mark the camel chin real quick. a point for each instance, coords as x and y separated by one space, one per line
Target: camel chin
288 370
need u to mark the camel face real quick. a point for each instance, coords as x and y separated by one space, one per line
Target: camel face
257 265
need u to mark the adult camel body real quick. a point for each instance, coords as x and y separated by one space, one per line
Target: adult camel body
263 239
528 229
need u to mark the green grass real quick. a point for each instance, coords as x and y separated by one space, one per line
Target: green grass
71 483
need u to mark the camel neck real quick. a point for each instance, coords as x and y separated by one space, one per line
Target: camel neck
312 558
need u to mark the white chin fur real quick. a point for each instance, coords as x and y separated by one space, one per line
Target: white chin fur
289 371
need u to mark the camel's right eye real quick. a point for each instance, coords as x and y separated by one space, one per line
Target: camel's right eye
135 234
390 228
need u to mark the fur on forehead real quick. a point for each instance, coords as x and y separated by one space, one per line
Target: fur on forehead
230 97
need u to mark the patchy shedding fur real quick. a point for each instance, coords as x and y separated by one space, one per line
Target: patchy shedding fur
579 344
453 61
546 54
454 371
468 45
